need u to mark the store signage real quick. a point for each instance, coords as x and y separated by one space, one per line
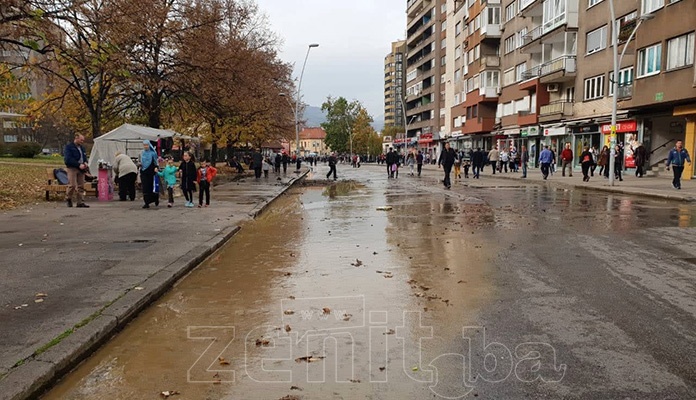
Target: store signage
529 131
555 131
621 127
584 129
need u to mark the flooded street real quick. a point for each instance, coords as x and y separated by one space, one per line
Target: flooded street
398 289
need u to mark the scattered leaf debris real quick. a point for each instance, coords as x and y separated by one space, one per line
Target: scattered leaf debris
288 312
309 359
326 310
222 361
389 332
287 328
262 342
169 393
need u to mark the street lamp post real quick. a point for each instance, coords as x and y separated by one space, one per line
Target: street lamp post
297 103
615 81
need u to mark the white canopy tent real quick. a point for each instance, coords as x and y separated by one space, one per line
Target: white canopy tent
128 140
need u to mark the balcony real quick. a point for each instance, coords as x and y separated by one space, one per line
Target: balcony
625 91
555 111
490 62
490 31
490 92
531 8
478 125
413 7
561 69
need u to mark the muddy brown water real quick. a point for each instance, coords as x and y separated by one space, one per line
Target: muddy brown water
374 297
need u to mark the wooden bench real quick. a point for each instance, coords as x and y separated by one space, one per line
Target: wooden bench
53 186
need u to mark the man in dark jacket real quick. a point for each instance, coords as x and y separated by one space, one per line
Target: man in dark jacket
332 166
419 161
276 163
75 158
640 155
446 160
478 158
285 160
391 160
257 163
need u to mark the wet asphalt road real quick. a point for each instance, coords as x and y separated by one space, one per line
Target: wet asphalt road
488 291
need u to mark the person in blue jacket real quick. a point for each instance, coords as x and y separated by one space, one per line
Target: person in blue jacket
677 157
545 159
148 172
75 158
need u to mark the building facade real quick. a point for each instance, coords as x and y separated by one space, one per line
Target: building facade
312 142
540 72
394 84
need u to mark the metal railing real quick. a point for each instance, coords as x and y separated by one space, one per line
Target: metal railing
535 34
533 72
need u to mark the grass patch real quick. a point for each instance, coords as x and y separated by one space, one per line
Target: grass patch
36 160
21 185
54 342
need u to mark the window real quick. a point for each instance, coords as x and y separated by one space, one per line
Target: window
443 61
591 3
470 56
458 29
493 15
443 8
625 79
554 13
490 79
443 27
477 52
510 12
680 51
509 77
520 69
652 5
457 75
509 44
649 60
457 52
597 40
594 88
443 43
477 22
570 94
474 111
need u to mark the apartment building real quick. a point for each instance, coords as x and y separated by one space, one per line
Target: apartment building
394 84
425 63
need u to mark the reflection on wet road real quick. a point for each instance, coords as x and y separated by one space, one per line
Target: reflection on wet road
497 291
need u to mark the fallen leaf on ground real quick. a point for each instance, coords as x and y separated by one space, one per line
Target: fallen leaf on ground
388 276
222 361
357 263
346 317
291 297
38 300
169 393
41 295
288 312
262 342
382 368
354 380
139 288
389 332
289 398
295 388
326 310
414 369
287 328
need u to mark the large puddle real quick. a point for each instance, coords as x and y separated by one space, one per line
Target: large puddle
324 296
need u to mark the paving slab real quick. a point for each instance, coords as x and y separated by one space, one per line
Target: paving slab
71 277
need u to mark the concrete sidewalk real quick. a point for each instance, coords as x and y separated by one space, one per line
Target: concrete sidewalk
72 277
654 186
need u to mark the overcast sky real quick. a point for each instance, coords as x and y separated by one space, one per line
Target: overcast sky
354 36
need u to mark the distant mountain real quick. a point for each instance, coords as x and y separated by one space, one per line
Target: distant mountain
314 116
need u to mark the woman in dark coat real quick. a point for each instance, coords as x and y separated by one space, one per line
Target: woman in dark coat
148 172
641 156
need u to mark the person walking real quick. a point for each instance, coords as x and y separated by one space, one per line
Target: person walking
493 157
640 155
168 173
504 161
524 159
411 162
457 166
285 160
447 159
618 163
478 158
276 162
148 174
75 158
604 162
332 166
266 167
545 159
126 173
466 162
676 159
204 177
391 160
593 152
187 171
514 158
586 162
567 160
419 162
257 163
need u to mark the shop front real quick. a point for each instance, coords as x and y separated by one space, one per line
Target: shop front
555 136
530 137
585 135
427 144
626 137
688 112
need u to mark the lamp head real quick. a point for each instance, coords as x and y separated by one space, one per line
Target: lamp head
314 45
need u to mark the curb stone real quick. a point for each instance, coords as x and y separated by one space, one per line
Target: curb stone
33 377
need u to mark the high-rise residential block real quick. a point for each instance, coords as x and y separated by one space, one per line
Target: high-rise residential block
394 88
